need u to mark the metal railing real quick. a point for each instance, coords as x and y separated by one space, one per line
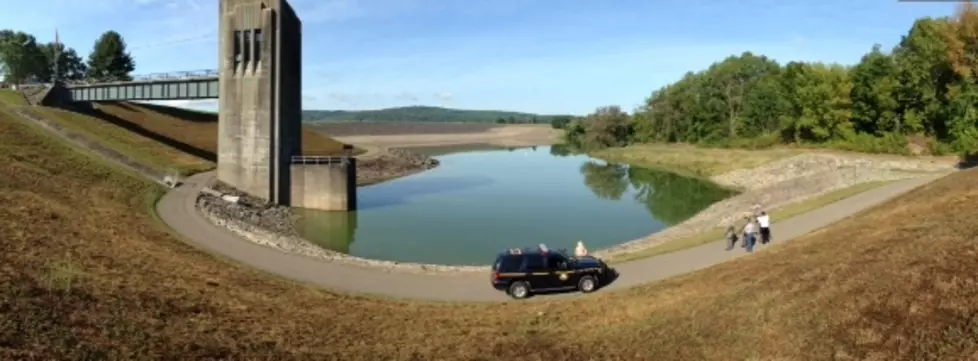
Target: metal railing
179 75
320 159
175 75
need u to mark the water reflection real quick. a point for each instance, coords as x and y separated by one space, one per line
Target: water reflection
669 197
607 181
331 230
478 203
385 195
560 150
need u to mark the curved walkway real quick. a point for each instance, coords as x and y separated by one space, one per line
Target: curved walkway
177 209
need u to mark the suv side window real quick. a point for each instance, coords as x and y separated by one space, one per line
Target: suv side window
534 263
510 264
556 261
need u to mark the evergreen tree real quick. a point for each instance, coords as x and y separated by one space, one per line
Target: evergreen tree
109 60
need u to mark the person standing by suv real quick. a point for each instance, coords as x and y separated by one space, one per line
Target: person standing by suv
764 221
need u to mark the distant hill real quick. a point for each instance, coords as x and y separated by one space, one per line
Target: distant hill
423 114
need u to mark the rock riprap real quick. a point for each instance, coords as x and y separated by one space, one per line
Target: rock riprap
393 163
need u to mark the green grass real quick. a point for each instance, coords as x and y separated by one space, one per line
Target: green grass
144 150
12 98
779 214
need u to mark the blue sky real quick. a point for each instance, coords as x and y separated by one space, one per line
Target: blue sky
566 56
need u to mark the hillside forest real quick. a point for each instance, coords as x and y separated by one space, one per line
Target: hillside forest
427 114
919 97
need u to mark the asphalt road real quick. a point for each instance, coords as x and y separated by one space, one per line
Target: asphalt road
176 208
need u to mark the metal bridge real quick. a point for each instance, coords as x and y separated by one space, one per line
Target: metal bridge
182 85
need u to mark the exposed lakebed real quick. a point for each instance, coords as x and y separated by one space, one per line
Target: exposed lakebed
481 201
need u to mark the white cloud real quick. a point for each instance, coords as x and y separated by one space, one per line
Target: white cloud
406 97
445 96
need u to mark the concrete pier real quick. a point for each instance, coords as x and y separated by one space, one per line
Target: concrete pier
324 183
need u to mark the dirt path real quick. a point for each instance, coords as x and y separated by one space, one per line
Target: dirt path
176 208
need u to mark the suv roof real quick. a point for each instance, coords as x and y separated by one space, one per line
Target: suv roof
540 249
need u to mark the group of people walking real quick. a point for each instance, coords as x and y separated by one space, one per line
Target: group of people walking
755 226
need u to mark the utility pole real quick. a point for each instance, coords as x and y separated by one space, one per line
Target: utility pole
57 57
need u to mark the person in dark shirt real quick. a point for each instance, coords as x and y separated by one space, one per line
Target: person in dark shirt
731 237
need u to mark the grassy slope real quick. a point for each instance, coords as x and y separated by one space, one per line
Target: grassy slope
163 137
197 129
86 274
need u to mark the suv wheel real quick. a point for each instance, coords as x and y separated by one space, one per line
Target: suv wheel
519 290
587 284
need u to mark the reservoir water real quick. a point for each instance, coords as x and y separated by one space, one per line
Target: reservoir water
480 201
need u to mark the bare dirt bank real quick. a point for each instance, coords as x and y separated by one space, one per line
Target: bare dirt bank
505 136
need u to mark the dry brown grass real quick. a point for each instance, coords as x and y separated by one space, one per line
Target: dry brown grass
143 149
164 138
197 129
692 160
85 275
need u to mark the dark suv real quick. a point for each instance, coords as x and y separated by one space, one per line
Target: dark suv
520 272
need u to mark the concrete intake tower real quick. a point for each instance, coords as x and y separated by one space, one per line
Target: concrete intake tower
260 112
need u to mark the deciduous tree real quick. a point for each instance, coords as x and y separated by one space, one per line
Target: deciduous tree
20 57
70 65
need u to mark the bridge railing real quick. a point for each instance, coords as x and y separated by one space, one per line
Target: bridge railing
169 76
320 159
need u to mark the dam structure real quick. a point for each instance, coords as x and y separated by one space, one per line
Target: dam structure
260 112
258 85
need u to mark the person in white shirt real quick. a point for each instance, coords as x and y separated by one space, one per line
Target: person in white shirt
580 251
750 234
764 221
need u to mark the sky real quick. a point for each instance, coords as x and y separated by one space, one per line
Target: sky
548 57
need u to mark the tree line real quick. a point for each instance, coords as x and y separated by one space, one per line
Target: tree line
425 114
921 96
23 59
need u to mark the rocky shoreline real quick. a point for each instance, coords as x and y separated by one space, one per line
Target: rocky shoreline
772 186
393 163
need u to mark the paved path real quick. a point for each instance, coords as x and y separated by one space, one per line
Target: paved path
176 208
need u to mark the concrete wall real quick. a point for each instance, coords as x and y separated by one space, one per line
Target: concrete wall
328 187
259 128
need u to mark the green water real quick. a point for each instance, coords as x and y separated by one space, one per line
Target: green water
479 202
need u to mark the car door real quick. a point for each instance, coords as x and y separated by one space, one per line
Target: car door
537 273
562 276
